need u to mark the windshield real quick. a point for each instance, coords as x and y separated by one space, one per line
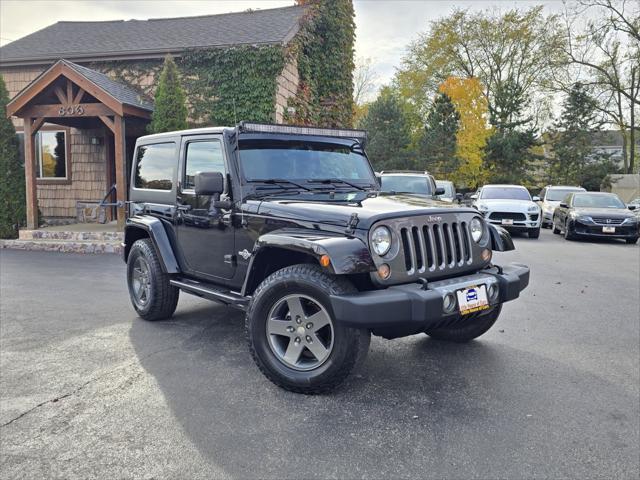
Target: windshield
448 188
597 201
406 184
507 193
299 161
557 195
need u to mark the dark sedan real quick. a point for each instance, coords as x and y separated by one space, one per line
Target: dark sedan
595 214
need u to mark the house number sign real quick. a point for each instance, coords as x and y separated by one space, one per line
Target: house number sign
71 110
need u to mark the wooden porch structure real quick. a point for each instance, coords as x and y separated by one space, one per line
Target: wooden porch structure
71 95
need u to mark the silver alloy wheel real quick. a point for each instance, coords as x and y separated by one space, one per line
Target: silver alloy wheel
141 281
300 332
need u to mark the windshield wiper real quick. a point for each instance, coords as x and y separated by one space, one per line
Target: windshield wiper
282 182
327 181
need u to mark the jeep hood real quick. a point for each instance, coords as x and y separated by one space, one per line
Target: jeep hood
369 210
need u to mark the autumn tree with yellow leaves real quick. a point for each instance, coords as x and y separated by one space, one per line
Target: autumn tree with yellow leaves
471 138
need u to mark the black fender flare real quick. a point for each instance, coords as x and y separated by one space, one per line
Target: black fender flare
158 235
501 240
347 254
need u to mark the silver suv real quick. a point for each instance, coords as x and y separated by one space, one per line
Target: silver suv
550 198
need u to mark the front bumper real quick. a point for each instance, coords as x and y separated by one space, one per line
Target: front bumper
531 220
592 229
410 308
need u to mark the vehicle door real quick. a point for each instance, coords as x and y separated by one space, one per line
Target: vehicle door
204 234
562 210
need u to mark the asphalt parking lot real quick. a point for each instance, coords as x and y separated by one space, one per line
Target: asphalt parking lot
88 390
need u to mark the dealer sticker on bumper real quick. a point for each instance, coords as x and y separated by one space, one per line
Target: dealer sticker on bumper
472 299
507 221
608 229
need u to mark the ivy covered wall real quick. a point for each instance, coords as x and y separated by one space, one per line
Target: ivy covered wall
226 85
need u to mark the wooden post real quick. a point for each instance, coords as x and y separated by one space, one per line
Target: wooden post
30 174
121 165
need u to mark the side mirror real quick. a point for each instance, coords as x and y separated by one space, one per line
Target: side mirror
474 196
563 205
209 183
536 199
440 191
631 207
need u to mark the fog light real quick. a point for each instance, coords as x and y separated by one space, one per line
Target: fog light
449 303
384 271
486 255
492 291
325 261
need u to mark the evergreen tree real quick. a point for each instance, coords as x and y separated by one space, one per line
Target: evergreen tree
509 150
389 135
170 112
12 186
438 143
572 140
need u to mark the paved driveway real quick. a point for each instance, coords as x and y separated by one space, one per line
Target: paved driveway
89 390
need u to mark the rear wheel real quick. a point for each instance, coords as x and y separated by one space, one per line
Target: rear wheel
467 331
292 333
151 294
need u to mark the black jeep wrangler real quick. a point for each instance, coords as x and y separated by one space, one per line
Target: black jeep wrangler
288 224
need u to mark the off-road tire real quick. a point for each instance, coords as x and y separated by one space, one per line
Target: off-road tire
631 241
465 332
163 298
533 232
350 345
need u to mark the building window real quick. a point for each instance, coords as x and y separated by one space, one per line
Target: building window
155 166
21 146
51 154
202 157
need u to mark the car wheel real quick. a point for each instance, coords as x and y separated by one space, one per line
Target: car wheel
467 331
631 241
568 234
292 333
534 232
151 294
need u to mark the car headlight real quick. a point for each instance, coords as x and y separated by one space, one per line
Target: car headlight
477 229
483 208
381 240
532 208
630 220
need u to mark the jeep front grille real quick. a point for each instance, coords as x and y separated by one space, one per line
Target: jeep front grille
432 247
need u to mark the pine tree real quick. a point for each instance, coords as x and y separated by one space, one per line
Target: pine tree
388 132
572 140
438 143
170 112
12 186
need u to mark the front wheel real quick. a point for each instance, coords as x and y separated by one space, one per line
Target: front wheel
632 241
568 234
555 230
534 232
467 331
292 333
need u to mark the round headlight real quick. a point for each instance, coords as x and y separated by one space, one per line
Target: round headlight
381 240
477 229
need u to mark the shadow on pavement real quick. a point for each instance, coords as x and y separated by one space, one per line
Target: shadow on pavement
417 408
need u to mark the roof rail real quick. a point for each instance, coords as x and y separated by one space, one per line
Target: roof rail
418 172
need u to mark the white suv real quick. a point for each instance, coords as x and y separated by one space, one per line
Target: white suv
550 198
509 206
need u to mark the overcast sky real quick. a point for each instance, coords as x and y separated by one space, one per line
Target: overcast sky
384 27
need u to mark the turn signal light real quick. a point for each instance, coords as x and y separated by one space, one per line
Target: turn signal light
486 254
325 261
384 271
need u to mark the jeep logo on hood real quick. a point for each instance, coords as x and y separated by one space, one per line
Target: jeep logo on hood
433 218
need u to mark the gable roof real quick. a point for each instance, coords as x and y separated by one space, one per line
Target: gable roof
85 41
114 94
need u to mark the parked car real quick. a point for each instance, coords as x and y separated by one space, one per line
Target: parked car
449 194
550 198
408 182
509 206
595 214
287 225
635 203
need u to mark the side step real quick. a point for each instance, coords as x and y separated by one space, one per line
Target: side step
211 292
